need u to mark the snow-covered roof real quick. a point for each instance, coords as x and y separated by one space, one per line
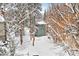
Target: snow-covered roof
2 19
41 22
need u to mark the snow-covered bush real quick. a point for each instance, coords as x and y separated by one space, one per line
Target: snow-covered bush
6 49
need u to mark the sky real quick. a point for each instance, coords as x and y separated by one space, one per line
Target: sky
44 7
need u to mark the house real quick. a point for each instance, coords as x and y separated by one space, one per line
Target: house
2 28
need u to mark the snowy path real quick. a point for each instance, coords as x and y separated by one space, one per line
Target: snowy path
46 47
43 47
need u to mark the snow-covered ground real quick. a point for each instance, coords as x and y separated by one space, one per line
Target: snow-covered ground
22 50
43 47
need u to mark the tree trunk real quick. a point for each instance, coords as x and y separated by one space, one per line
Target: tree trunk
32 36
5 31
21 38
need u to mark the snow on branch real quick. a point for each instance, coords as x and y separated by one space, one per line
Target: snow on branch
27 15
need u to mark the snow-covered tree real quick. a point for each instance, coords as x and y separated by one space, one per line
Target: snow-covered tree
36 8
15 15
62 23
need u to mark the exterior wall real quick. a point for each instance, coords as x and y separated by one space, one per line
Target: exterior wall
2 31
